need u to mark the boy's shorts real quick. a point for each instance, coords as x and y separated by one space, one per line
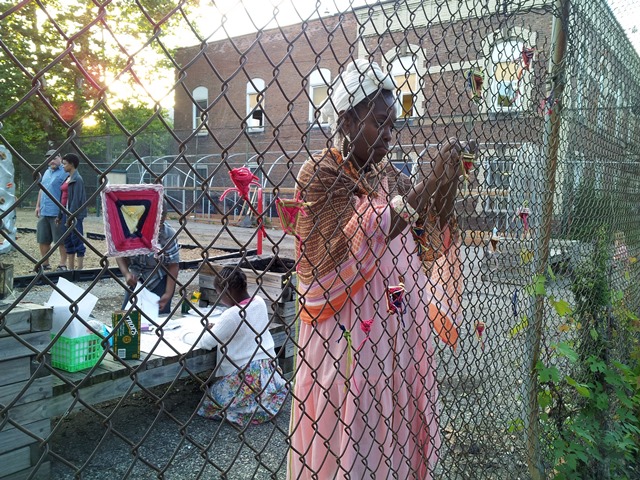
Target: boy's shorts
47 232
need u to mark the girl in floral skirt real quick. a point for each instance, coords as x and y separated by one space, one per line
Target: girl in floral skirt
249 387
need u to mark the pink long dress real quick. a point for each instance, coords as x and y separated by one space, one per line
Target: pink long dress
371 414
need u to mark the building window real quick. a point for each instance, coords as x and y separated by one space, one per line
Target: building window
498 173
200 104
403 71
319 82
498 182
255 105
506 88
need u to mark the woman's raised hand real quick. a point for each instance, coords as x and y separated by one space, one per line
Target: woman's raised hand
449 163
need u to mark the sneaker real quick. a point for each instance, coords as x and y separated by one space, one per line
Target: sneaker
61 268
46 267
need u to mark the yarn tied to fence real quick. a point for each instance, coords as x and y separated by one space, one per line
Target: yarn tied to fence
242 178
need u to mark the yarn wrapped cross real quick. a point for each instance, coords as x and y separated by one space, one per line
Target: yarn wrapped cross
395 300
242 179
524 212
527 57
547 105
468 160
288 211
480 327
132 218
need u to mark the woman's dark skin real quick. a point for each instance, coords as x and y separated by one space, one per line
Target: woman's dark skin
368 128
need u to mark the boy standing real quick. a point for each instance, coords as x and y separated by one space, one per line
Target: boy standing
47 230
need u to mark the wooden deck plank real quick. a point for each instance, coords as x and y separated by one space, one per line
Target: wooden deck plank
12 438
27 317
117 387
11 348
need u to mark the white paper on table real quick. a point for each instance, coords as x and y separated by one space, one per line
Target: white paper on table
181 334
151 342
147 302
61 312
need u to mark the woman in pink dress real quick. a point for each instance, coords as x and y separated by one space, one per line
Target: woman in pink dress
365 396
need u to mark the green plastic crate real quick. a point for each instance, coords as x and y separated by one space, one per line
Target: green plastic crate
73 354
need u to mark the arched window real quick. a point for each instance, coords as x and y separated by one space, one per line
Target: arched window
404 73
255 105
508 79
200 103
319 82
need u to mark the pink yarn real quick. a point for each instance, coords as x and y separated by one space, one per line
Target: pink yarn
242 178
524 213
365 326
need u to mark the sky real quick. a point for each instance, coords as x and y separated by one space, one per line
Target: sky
252 15
628 14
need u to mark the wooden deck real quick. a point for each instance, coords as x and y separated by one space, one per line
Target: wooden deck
115 378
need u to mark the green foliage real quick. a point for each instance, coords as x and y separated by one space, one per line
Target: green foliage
591 425
30 121
62 60
589 400
594 209
108 139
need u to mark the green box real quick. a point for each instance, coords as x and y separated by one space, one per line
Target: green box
73 354
126 334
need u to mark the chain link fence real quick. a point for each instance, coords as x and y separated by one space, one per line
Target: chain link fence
492 335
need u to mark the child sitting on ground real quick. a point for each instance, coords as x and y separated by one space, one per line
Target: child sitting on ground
251 388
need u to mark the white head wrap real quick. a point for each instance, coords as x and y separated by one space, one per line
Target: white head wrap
358 81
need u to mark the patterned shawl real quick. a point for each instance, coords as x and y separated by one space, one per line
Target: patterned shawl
337 258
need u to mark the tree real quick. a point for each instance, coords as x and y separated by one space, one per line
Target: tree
57 66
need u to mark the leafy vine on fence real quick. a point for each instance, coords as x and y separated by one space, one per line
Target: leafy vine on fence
589 381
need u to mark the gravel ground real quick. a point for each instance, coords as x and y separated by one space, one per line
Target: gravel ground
122 439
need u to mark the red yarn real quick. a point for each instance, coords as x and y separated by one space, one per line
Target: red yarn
242 178
118 243
288 211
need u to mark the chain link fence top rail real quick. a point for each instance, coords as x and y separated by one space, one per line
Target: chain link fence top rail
455 256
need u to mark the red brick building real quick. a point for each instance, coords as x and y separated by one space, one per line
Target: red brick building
252 100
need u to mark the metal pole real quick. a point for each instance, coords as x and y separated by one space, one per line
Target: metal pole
259 221
551 142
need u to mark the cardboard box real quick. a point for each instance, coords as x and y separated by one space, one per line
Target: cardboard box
126 334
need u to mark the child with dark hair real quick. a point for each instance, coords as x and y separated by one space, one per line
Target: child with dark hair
248 385
73 198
